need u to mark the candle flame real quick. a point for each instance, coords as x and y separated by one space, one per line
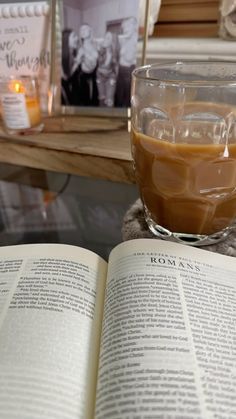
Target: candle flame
16 86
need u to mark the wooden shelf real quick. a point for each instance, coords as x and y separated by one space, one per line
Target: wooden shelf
184 18
191 12
183 29
86 146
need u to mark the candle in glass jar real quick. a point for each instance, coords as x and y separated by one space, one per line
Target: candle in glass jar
21 105
31 102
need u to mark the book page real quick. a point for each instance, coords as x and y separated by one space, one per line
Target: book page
51 306
168 341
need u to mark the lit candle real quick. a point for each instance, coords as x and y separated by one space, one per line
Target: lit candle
31 102
21 106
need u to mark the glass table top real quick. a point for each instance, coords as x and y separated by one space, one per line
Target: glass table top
47 207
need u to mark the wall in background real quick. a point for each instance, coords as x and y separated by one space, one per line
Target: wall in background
97 15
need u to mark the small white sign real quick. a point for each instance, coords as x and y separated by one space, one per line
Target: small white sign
15 111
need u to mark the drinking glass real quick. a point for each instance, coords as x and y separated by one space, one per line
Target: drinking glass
184 148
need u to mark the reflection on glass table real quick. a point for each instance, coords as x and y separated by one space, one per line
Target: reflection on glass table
47 207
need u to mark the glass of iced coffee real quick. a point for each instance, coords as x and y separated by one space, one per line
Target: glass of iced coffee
184 149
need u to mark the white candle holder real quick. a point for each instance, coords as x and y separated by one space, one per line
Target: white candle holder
20 104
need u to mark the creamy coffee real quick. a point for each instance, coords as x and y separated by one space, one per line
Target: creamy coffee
187 188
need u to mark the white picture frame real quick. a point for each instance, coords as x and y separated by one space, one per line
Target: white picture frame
25 43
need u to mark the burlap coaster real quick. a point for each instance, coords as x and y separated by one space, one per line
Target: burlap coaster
135 227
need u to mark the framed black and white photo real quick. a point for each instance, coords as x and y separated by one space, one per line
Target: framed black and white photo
99 50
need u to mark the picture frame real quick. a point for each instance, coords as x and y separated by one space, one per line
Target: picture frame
25 35
72 108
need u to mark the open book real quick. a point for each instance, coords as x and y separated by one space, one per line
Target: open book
151 334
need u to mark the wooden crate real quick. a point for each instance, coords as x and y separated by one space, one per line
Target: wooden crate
184 18
192 12
189 30
174 2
